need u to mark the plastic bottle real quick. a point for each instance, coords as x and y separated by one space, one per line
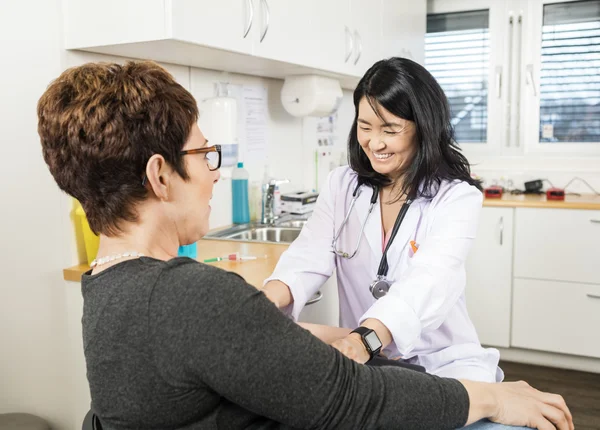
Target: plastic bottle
190 251
255 201
239 195
91 241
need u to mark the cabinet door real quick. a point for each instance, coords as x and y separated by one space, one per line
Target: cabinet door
326 310
557 317
332 34
366 29
403 29
489 277
557 244
283 29
223 24
109 22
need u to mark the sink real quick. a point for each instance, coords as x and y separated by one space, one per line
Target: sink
285 231
296 223
266 234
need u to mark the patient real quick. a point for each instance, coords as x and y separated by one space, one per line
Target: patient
171 343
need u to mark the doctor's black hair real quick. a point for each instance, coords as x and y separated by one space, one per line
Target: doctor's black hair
407 90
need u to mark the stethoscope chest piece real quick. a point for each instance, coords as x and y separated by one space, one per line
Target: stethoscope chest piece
379 287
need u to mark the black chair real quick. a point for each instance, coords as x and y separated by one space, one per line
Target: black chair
91 422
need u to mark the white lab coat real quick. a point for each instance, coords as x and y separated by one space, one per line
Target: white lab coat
425 309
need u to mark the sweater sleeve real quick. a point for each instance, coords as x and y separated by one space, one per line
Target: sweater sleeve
227 336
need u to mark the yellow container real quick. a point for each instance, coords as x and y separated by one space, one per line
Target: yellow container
91 240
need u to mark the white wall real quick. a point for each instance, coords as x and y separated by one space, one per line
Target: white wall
35 229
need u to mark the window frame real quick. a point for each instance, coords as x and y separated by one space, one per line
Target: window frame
530 114
496 129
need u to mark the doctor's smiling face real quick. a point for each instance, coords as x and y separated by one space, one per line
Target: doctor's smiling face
402 135
387 140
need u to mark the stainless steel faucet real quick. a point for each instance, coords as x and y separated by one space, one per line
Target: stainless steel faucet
268 201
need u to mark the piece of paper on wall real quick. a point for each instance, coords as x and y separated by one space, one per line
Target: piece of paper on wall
252 101
327 130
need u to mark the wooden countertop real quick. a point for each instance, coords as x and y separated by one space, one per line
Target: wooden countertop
585 201
253 271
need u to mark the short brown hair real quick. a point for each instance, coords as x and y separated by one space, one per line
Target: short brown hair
100 123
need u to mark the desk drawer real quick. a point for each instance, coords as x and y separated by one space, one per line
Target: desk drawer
557 244
556 317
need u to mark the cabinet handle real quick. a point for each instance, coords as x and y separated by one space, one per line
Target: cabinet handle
595 221
349 37
499 82
517 99
250 18
508 110
358 45
501 230
531 79
316 298
268 20
593 296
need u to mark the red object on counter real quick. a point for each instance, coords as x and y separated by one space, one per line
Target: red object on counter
493 192
555 194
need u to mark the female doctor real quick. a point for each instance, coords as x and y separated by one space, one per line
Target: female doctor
397 225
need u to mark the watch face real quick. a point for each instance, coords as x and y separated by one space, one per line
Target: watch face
373 341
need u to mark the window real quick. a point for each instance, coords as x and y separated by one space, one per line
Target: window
570 72
457 54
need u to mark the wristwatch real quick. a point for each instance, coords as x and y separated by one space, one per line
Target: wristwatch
370 340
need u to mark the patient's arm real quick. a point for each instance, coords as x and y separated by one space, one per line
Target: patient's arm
326 333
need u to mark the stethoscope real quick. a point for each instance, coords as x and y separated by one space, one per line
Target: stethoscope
380 286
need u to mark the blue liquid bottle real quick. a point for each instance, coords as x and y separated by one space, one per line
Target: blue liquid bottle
239 195
190 251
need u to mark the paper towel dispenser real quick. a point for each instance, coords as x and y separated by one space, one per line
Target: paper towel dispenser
311 95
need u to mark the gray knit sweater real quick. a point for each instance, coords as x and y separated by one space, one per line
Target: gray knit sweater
183 345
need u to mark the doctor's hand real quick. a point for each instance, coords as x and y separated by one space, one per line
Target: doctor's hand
278 292
352 347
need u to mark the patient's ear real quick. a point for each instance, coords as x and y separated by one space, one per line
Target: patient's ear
158 176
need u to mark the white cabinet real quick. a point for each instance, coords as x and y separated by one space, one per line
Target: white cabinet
558 244
93 23
272 38
403 29
366 32
533 281
489 277
325 311
349 36
332 36
556 316
282 28
223 24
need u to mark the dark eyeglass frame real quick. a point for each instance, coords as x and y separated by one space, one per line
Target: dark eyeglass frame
203 150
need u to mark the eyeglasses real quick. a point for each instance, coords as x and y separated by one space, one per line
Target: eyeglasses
213 155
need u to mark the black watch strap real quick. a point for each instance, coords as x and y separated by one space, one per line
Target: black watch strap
364 332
